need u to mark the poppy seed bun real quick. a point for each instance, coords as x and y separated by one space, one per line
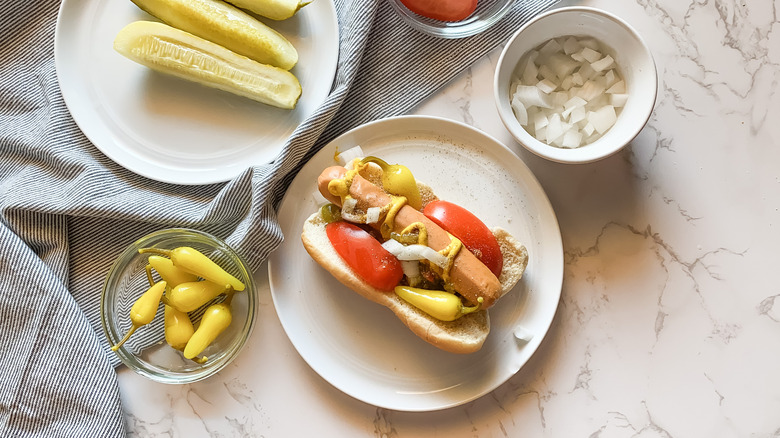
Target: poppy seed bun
464 335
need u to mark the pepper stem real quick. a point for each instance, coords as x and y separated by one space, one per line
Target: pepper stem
378 161
160 251
466 310
127 336
149 275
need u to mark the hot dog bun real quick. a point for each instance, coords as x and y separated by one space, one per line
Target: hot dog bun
464 335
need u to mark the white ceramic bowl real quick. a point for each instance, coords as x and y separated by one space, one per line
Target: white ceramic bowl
634 60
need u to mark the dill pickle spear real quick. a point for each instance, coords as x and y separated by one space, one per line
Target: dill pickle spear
227 26
273 9
178 53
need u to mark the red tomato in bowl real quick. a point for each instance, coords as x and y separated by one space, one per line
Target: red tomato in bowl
443 10
474 234
365 255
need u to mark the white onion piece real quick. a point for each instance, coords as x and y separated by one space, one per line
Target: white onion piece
349 205
618 100
415 252
348 211
603 118
411 268
571 91
529 95
372 215
350 154
571 45
602 64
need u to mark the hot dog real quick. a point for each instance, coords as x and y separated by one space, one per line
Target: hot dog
470 277
464 275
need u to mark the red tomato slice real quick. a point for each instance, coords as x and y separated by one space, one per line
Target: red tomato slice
365 255
474 234
444 10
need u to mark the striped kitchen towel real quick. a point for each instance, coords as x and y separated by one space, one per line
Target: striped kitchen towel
66 211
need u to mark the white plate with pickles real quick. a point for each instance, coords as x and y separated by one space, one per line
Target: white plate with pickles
173 130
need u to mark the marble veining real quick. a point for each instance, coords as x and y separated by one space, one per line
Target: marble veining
669 321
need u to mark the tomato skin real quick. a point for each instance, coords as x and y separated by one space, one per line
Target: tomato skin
365 255
443 10
474 234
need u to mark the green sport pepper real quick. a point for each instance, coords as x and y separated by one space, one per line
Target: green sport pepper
144 309
439 304
195 262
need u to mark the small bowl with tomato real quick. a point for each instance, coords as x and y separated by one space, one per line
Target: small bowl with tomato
451 18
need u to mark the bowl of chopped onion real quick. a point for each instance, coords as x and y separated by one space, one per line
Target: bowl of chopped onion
575 85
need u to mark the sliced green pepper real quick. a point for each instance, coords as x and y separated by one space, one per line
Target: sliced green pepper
439 304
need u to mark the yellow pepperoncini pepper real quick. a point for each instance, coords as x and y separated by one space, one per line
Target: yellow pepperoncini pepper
398 180
439 304
215 320
178 328
169 273
143 310
191 295
195 262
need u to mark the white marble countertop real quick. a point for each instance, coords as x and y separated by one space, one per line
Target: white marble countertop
668 324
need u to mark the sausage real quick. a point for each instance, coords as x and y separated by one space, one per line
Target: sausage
469 276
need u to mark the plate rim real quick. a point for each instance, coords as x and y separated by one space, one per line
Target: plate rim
556 283
99 136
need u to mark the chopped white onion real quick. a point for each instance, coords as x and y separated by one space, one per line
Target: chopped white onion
529 95
602 64
590 55
350 154
415 252
348 211
618 100
618 88
568 91
522 334
547 86
372 215
411 268
603 118
349 205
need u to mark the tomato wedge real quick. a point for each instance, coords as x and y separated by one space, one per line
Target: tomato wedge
365 255
474 234
443 10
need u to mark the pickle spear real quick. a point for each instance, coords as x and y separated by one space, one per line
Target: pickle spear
273 9
227 26
178 53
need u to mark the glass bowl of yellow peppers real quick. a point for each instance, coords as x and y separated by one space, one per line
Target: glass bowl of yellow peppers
178 305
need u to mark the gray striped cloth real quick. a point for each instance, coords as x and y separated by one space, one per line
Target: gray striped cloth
66 211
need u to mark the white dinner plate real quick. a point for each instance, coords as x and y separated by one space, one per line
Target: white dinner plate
360 347
173 130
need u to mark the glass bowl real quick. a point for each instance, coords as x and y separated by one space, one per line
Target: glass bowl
146 352
488 12
631 54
